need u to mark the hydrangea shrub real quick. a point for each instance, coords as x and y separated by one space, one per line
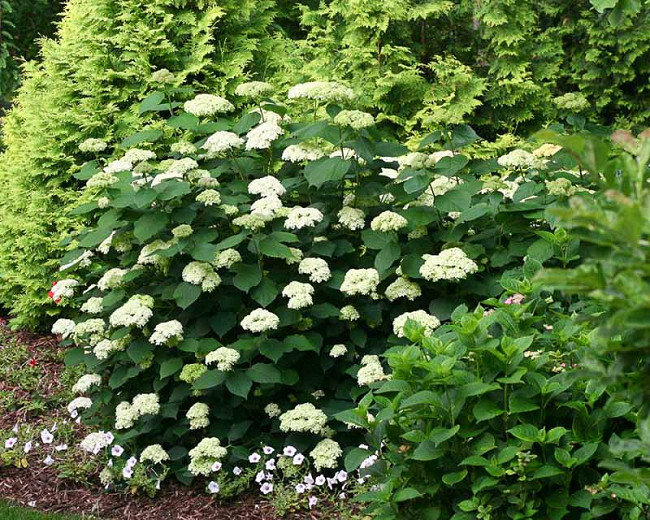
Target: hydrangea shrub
241 274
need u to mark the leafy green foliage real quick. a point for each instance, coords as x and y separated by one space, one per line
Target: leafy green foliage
496 416
434 201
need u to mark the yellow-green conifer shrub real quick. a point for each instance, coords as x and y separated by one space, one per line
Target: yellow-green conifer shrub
87 83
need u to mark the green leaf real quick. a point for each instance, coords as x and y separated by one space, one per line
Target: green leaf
87 170
266 292
583 454
204 252
186 294
239 384
486 409
325 170
377 239
264 373
270 247
170 366
454 478
247 122
526 433
387 256
139 350
231 241
184 121
247 277
427 450
406 494
453 200
548 471
478 388
150 224
439 435
151 102
209 379
75 356
354 458
462 135
145 136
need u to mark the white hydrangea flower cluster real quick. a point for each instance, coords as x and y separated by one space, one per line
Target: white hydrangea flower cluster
182 231
300 217
521 160
92 331
176 170
250 222
147 254
94 305
63 327
209 198
561 187
423 318
316 268
270 116
204 455
112 279
254 89
86 382
266 208
96 442
349 313
301 152
272 410
93 145
106 347
225 358
137 155
63 289
163 76
354 119
299 294
338 350
261 136
208 105
325 454
78 403
267 186
167 333
118 166
360 282
198 416
327 91
371 371
220 142
101 180
260 320
304 418
136 312
203 274
450 264
351 218
547 150
154 453
127 413
388 221
227 258
403 288
183 148
415 161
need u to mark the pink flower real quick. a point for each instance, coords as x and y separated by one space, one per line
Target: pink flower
515 299
289 451
266 488
10 443
254 458
298 459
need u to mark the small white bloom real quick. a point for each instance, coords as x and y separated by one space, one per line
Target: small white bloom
360 282
263 135
213 487
260 320
423 318
338 351
208 105
299 294
300 217
388 221
266 187
351 218
327 91
221 142
316 268
450 264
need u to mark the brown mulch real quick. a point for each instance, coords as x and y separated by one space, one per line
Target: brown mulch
40 487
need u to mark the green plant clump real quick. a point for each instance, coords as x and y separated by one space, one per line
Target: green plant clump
240 274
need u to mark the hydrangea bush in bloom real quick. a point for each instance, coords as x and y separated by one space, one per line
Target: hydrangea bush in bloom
242 275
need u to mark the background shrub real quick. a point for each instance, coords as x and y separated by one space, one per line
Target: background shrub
331 231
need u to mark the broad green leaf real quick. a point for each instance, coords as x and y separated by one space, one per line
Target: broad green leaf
387 256
264 373
324 170
151 102
454 478
247 276
170 366
186 294
439 435
149 225
209 379
354 458
238 383
145 136
185 121
427 450
527 433
270 247
406 494
486 409
266 292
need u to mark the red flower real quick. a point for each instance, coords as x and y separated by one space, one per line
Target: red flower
32 362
